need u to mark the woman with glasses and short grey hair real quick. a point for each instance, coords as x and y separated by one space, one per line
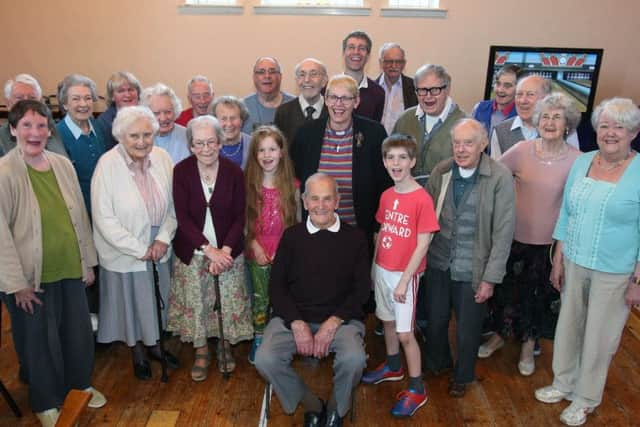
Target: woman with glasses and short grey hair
209 195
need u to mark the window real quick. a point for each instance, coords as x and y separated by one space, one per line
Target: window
210 7
413 9
312 7
419 4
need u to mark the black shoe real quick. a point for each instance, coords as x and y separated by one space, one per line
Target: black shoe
334 419
457 389
172 361
142 370
315 419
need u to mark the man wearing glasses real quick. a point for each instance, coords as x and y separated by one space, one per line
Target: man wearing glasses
432 119
400 93
199 93
311 78
356 48
262 104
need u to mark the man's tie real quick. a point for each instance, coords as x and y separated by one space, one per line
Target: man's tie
309 110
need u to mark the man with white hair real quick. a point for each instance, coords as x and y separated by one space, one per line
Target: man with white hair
200 94
529 91
25 86
400 93
311 78
262 104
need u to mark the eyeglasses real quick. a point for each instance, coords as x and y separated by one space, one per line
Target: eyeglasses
311 74
333 99
433 91
393 61
201 144
467 143
265 71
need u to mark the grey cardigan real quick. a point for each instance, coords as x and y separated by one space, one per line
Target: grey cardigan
496 216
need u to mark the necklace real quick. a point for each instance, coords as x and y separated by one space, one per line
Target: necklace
547 156
615 165
237 146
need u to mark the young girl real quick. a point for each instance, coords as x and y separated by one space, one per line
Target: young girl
272 206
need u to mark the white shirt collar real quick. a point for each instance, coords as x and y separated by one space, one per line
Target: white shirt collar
445 111
318 105
383 83
527 132
312 229
75 129
364 83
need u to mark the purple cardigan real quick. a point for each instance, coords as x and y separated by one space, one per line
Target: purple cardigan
227 207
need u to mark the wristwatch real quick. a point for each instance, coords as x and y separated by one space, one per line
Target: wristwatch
635 280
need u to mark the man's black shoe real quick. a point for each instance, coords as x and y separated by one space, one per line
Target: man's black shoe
334 419
315 419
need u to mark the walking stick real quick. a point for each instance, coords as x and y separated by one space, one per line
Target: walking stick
159 303
218 307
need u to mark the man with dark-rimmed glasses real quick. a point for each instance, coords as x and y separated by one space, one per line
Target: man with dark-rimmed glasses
431 120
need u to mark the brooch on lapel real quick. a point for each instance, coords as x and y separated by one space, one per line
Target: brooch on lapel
359 139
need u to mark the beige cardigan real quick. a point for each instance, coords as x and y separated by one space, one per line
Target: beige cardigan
20 222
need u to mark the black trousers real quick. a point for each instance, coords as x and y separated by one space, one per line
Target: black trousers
441 295
54 344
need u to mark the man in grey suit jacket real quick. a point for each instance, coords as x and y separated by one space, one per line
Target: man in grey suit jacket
400 93
311 78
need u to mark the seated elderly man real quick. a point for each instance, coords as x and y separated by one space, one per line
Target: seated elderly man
199 94
311 78
319 283
468 257
25 86
262 105
431 120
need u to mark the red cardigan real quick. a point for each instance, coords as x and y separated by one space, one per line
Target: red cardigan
227 207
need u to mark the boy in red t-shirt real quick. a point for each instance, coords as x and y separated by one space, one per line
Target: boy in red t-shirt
407 217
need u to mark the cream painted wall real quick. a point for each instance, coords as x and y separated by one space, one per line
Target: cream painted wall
51 38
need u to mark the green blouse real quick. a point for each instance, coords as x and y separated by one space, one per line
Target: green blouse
60 251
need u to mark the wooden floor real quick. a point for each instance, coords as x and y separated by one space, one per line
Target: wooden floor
500 397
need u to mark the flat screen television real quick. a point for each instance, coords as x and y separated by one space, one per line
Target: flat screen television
572 71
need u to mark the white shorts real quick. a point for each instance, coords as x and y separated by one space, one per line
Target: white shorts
387 308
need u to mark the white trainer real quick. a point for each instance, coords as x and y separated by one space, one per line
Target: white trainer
97 399
575 414
550 394
49 417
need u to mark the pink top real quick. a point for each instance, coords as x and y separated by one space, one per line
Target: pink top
269 226
539 187
147 186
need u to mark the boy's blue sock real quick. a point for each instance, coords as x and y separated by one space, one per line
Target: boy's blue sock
416 384
393 361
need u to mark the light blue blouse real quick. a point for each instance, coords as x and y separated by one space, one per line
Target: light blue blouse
175 143
599 222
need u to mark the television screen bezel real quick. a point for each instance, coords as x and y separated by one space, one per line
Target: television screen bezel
596 72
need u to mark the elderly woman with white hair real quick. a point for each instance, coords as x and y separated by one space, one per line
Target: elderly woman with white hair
209 195
525 302
83 137
134 223
123 90
165 105
596 264
231 112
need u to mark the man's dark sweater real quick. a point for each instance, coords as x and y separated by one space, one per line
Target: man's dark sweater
315 276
